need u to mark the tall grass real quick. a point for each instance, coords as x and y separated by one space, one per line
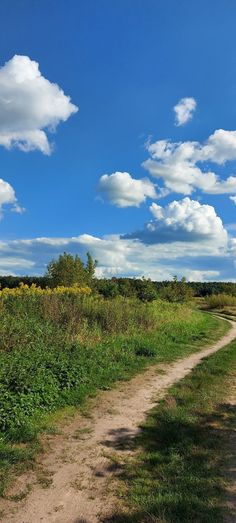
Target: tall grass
56 349
217 301
24 320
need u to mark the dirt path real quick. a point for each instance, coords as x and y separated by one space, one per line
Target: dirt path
78 469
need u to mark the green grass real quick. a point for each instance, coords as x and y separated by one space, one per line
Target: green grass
49 365
217 301
221 304
177 475
227 313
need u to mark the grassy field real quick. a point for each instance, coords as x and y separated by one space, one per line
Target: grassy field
226 312
216 301
178 475
59 348
222 304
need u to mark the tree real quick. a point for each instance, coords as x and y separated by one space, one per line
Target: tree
90 268
176 291
107 288
69 270
146 290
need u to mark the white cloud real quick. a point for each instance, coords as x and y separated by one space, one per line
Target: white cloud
124 257
196 275
8 197
183 221
233 198
177 164
14 263
184 253
29 105
190 216
232 246
219 148
184 238
184 110
7 193
122 190
18 209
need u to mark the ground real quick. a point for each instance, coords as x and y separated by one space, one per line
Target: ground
75 479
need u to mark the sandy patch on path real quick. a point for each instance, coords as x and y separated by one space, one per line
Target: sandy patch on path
78 469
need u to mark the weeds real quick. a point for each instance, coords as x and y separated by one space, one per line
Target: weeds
58 349
217 301
178 474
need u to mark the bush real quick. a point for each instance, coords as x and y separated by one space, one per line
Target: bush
220 300
176 291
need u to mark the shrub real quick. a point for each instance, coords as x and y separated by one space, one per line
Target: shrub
220 300
176 291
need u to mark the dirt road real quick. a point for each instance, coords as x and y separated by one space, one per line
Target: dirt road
74 478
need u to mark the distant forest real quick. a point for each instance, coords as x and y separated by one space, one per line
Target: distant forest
128 286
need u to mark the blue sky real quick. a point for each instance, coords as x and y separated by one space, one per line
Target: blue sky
117 177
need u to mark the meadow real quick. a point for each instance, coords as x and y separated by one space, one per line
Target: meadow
59 346
223 304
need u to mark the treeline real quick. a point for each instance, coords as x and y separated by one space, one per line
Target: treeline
144 289
68 270
13 281
202 289
141 287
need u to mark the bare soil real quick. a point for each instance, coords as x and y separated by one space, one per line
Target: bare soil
74 480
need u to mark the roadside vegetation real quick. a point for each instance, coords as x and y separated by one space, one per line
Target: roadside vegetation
217 301
178 474
64 341
222 304
59 347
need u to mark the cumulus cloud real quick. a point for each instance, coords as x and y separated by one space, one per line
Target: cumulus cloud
118 256
232 246
184 110
7 193
122 190
18 209
177 164
8 264
219 148
183 221
30 105
196 275
191 216
8 197
185 238
233 198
